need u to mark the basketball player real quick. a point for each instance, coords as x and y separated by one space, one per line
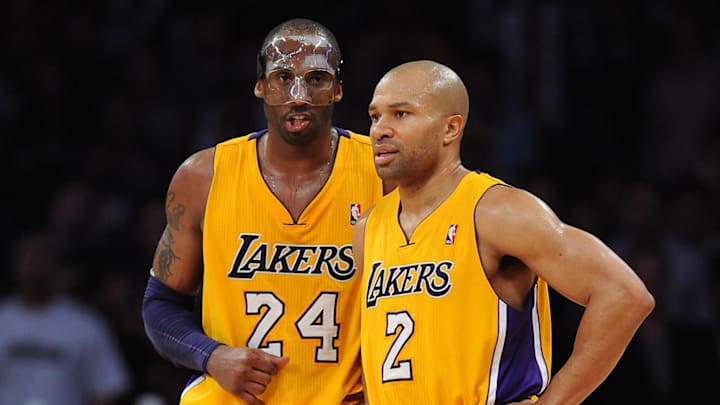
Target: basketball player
456 266
263 223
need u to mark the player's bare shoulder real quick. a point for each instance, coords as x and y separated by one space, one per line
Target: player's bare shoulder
512 220
190 185
197 168
506 203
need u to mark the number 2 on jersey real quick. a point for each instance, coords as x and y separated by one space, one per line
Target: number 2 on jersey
317 322
402 325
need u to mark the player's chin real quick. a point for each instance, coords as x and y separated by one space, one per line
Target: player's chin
386 172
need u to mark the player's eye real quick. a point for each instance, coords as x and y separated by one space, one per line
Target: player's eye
280 77
319 79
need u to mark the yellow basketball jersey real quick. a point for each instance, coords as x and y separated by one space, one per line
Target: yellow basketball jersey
433 329
286 287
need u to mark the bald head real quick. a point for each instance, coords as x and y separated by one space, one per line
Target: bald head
435 80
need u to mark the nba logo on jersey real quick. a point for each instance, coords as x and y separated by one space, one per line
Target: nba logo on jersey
450 237
354 213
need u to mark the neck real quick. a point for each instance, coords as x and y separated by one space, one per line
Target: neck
277 155
421 199
303 170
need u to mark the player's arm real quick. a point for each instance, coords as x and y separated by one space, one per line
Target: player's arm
177 269
176 276
178 256
579 266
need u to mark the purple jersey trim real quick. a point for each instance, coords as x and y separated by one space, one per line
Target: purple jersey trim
519 375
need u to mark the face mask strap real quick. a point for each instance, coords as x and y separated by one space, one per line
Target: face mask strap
338 72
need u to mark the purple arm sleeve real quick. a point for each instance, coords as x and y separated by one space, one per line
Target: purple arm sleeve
172 328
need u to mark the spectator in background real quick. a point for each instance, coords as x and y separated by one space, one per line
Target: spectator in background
54 350
692 303
667 236
682 96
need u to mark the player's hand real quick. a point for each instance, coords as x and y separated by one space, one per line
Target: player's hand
244 372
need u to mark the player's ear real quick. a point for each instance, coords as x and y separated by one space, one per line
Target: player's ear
453 129
259 89
338 93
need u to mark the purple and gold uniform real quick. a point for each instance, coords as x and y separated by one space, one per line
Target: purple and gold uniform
287 287
433 329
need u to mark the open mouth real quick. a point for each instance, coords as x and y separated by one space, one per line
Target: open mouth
298 122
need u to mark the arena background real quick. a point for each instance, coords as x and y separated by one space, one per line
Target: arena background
609 111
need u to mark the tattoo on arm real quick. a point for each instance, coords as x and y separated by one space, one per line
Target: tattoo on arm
166 254
174 213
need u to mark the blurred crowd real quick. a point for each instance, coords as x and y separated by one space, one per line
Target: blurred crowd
609 111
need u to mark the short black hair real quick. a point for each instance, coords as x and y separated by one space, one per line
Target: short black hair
299 26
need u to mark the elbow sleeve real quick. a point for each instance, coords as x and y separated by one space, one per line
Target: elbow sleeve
172 328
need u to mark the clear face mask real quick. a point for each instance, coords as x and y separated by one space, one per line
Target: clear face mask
299 68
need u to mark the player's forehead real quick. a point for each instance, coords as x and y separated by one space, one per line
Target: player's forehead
399 91
298 51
